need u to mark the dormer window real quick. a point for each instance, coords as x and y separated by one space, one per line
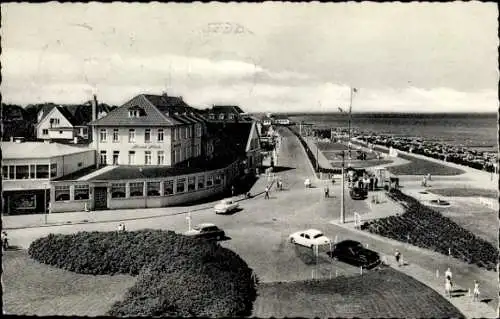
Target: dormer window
231 116
221 116
136 111
211 116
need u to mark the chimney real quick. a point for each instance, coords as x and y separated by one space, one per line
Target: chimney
94 108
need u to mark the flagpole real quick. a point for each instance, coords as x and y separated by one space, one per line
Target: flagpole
349 133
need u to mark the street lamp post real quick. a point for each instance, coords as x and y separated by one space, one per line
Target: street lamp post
342 196
45 202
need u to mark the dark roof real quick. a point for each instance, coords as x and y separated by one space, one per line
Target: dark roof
232 137
226 109
160 110
125 172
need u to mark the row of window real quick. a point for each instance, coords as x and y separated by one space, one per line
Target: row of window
136 189
179 133
34 171
103 135
221 116
148 159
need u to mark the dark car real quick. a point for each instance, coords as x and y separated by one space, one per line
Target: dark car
358 193
206 230
353 252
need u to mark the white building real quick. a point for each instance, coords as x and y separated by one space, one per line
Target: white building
29 167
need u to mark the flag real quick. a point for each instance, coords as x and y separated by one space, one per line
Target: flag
340 109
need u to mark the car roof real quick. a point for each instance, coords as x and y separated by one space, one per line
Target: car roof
313 232
202 225
349 242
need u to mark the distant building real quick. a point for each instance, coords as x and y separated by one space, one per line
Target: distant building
57 122
281 120
28 169
225 113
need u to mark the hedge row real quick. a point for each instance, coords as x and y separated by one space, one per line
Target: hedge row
177 275
424 227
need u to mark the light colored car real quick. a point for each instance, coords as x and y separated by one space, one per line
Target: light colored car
225 206
206 230
309 238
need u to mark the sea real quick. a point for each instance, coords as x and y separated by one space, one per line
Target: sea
475 131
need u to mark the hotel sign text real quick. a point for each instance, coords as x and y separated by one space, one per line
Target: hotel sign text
143 146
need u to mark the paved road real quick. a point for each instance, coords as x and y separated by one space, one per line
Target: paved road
258 233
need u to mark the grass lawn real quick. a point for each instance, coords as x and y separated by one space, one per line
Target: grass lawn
31 288
384 293
328 146
474 217
419 166
363 164
464 192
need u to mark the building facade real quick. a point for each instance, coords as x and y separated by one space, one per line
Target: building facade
148 130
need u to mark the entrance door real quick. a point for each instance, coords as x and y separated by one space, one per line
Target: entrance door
100 198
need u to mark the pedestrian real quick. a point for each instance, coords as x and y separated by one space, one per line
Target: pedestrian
232 190
327 192
5 241
448 274
447 287
476 291
281 184
266 196
397 255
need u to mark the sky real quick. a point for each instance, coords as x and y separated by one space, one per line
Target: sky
267 57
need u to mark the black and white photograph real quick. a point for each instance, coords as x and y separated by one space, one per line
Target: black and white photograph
272 159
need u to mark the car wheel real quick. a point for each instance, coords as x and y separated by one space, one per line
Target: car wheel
292 240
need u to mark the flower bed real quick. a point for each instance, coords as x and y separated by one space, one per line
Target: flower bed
424 227
178 276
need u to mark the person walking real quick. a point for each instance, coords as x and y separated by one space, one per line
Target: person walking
232 190
397 256
476 291
447 287
327 191
5 241
266 191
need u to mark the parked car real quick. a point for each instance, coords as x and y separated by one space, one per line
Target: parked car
206 230
309 238
225 206
353 252
358 193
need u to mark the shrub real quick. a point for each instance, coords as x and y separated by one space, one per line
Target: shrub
429 229
177 275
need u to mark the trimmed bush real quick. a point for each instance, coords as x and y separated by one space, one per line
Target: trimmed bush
428 228
177 275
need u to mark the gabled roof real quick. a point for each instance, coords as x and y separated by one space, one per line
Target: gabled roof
160 110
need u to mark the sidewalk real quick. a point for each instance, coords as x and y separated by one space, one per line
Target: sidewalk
434 280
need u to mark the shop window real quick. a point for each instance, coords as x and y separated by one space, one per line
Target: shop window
201 182
5 172
53 170
118 190
168 187
82 192
22 172
179 186
191 184
210 181
153 188
61 193
32 171
218 179
137 189
42 171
